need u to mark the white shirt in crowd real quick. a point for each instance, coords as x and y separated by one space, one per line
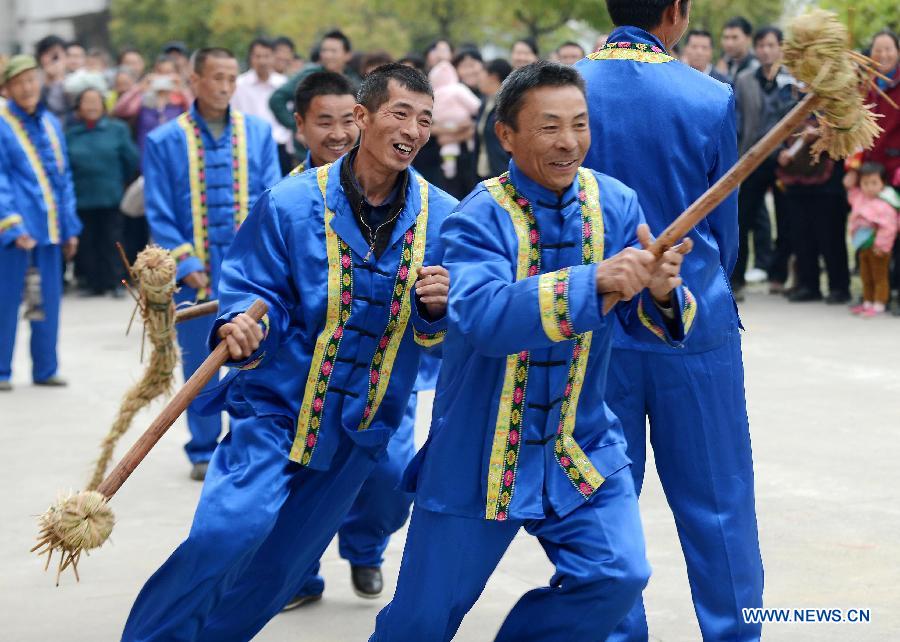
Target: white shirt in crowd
252 97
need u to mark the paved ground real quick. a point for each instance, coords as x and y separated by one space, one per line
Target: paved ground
823 390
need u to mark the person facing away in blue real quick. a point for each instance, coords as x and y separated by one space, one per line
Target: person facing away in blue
668 132
323 108
521 435
202 173
348 259
38 224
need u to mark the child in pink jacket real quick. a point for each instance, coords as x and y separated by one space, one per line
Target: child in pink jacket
454 107
873 228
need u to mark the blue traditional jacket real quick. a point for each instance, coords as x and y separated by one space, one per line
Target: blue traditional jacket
344 334
668 132
37 195
512 435
430 362
198 190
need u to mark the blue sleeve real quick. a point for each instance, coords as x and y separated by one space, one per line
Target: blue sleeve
723 220
429 333
12 225
257 266
270 161
641 317
161 206
499 315
68 214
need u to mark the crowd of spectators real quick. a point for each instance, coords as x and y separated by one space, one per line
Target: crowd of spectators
793 213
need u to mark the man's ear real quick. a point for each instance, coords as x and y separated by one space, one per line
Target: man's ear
504 133
360 116
298 121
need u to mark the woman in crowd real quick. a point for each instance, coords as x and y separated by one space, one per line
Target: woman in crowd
524 52
103 159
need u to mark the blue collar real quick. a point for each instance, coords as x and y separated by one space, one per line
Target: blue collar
637 35
195 114
19 113
538 195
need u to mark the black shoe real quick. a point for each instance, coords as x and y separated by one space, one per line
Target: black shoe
300 600
804 295
5 386
839 297
52 382
367 581
198 470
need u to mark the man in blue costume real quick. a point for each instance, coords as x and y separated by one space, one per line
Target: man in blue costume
514 442
323 105
202 173
668 132
38 223
335 253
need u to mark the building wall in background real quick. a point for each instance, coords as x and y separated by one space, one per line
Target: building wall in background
24 22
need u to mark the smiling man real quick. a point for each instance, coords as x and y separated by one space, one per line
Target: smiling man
347 257
323 108
514 443
202 172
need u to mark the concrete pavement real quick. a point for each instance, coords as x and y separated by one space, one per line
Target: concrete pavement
824 399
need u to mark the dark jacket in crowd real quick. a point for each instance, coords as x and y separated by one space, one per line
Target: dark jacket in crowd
486 139
103 160
761 103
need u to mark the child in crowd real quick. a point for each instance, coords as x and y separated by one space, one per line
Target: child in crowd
873 228
455 105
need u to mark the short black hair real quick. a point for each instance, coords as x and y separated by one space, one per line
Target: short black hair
739 22
259 41
284 41
699 33
201 55
531 43
337 34
47 43
85 92
768 30
499 67
373 92
570 43
538 74
462 54
125 51
74 43
646 14
434 43
319 83
872 169
375 59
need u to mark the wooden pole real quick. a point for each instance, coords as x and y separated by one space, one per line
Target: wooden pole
171 412
732 179
196 311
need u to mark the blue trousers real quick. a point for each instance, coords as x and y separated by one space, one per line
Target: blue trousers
701 443
44 334
192 338
261 523
380 509
598 551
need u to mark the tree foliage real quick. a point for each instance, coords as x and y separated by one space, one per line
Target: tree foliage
865 19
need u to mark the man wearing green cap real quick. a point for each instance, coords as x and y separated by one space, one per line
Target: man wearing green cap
38 223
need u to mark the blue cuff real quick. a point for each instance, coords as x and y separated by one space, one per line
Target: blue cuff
670 331
427 334
11 228
258 356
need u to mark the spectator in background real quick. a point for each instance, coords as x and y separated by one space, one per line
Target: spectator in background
50 52
524 52
568 53
103 160
469 67
97 60
436 52
334 52
600 42
413 60
698 51
455 108
123 81
254 90
180 55
373 60
492 159
763 96
75 57
284 54
737 56
133 60
816 206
